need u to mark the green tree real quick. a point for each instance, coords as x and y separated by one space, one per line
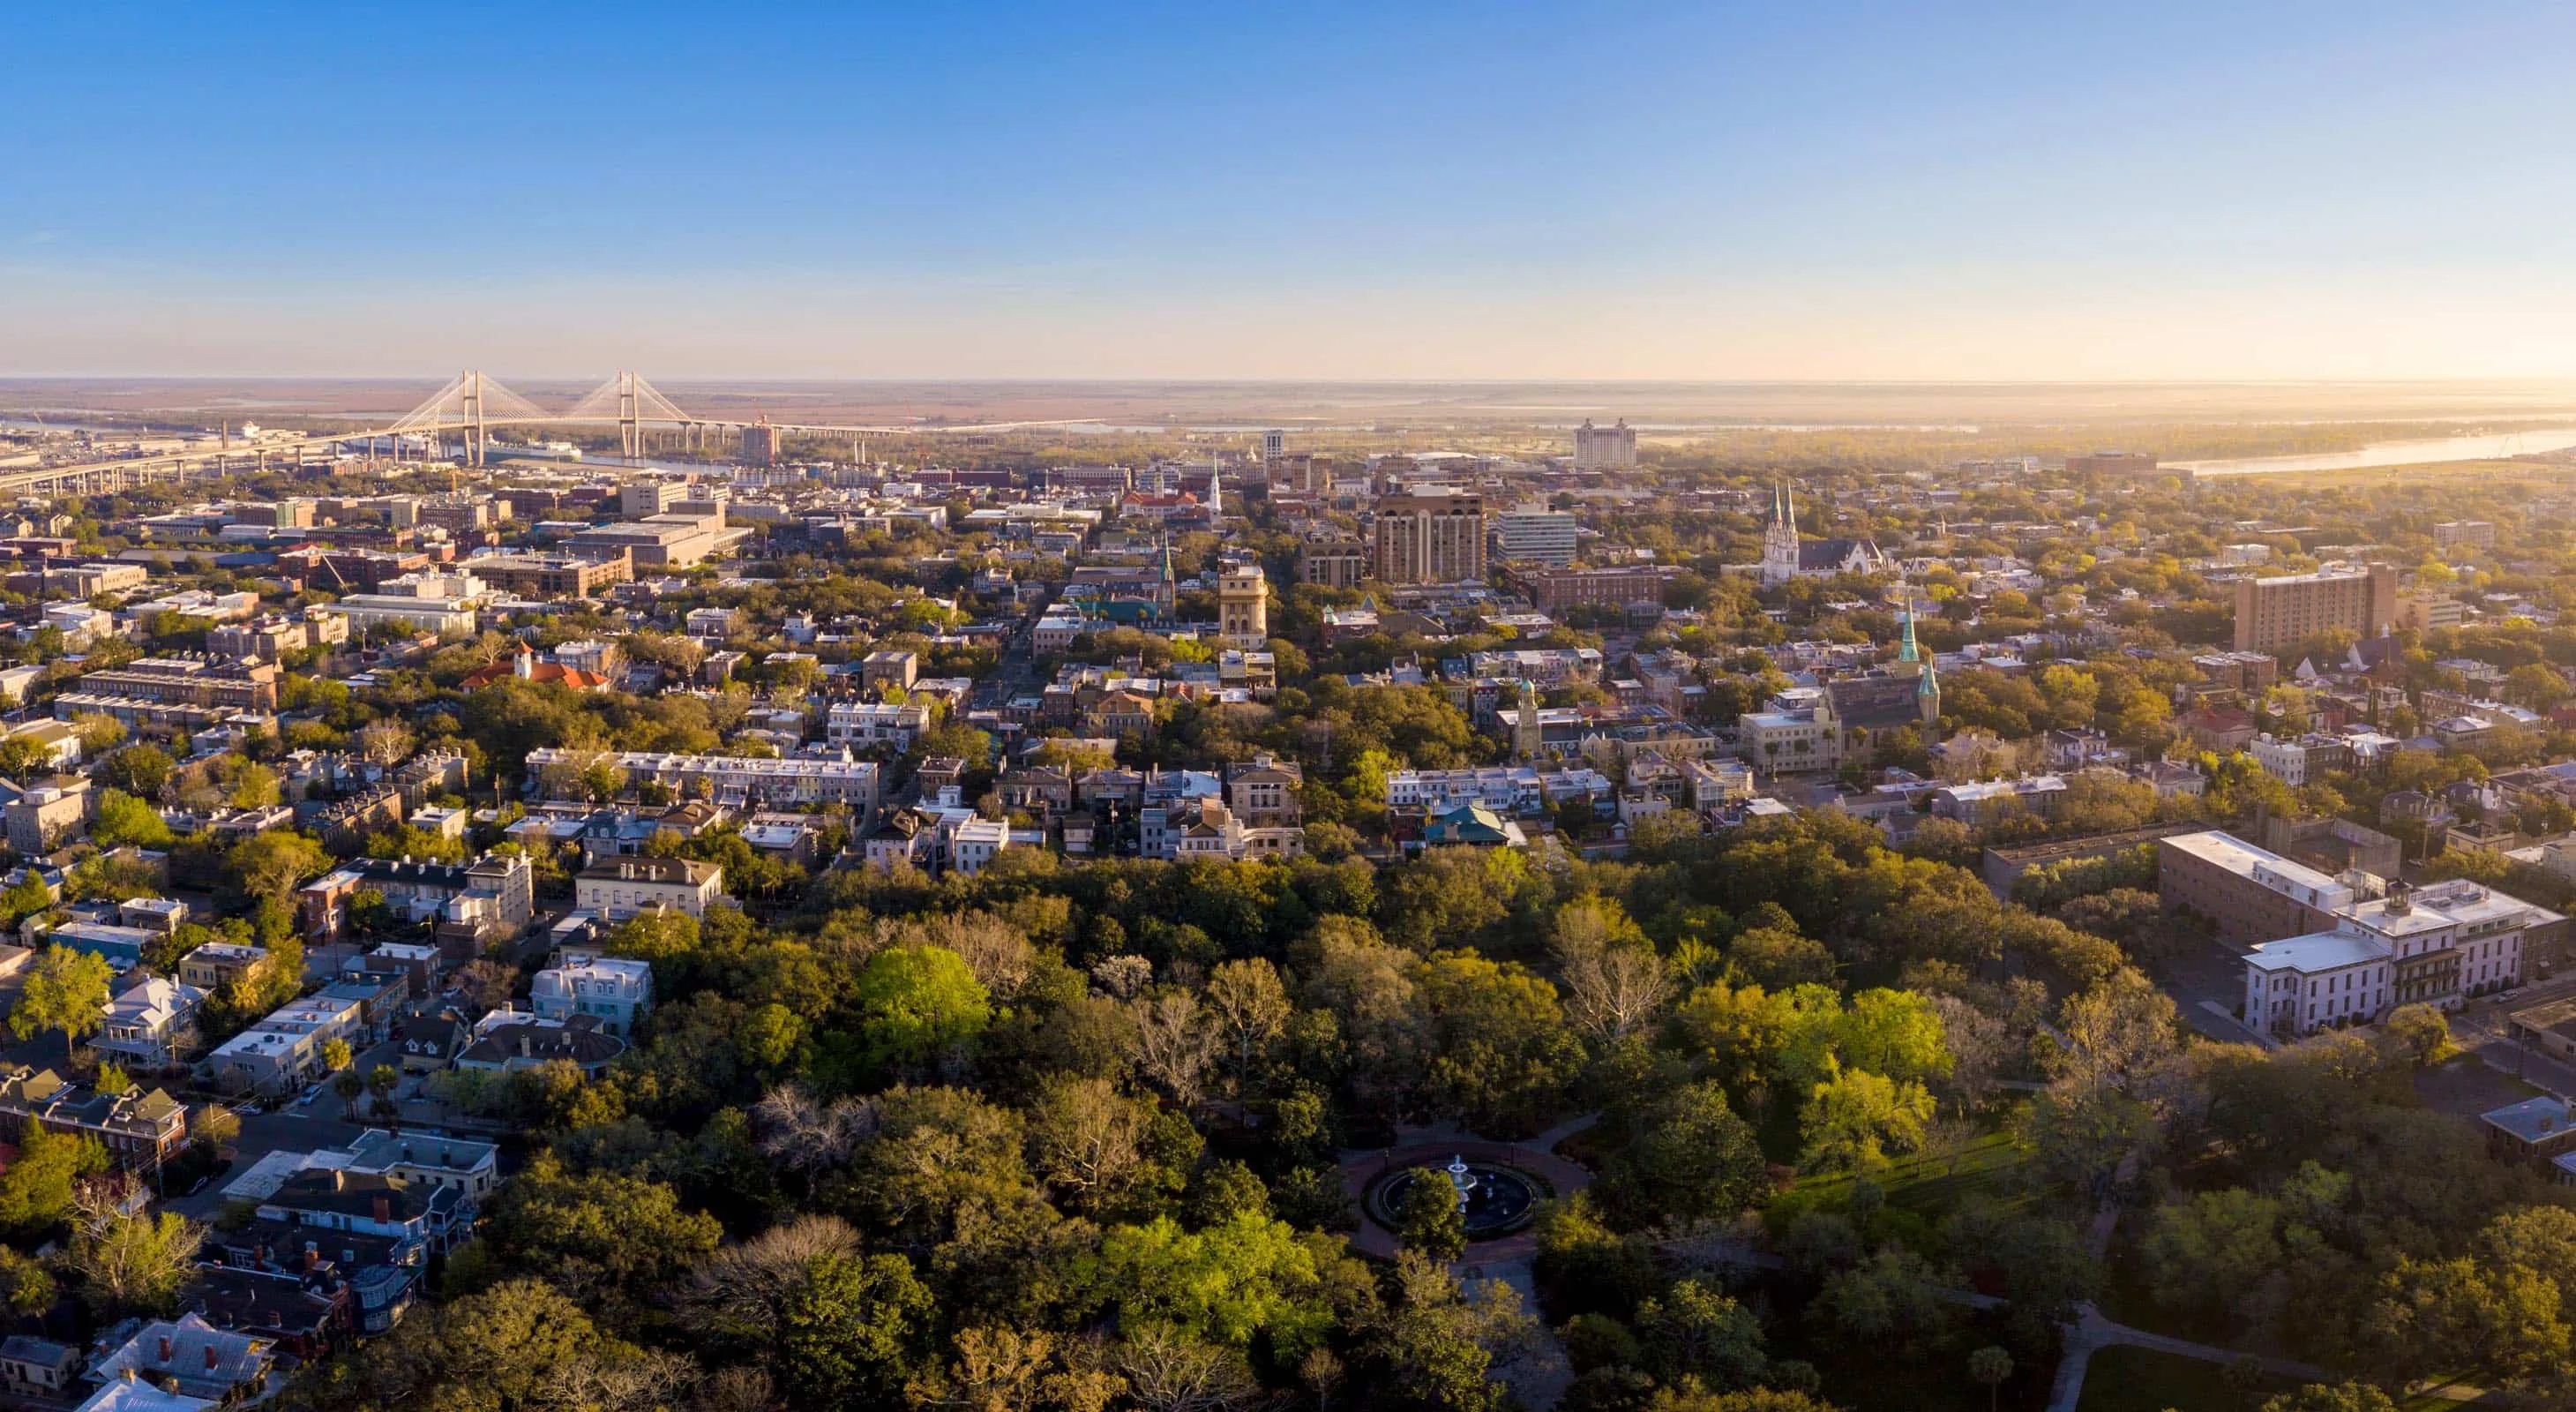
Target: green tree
134 1262
25 1285
2212 1251
917 1002
1431 1342
1777 958
2423 1032
23 760
1988 1367
1694 1332
270 866
1431 1221
2337 1397
125 820
24 898
851 1331
1245 1278
65 990
36 1191
142 771
350 1087
1853 1117
1690 1159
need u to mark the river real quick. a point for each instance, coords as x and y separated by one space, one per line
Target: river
2421 451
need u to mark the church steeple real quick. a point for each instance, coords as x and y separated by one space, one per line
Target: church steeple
1780 538
1907 651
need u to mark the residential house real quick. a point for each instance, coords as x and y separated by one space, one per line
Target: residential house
140 1128
190 1357
151 1024
617 992
621 888
37 1367
378 1204
215 965
509 1040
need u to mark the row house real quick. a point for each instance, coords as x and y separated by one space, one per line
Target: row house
284 1048
732 780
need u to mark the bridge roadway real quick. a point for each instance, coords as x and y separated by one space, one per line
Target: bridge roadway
103 477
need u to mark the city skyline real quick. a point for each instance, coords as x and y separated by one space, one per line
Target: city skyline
1538 192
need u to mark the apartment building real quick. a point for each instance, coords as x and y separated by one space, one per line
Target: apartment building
1554 591
209 682
1336 563
1432 536
2278 612
2304 760
2252 894
859 725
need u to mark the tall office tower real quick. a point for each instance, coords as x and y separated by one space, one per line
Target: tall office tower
1604 448
1432 536
2277 612
1535 534
1243 607
1274 444
760 444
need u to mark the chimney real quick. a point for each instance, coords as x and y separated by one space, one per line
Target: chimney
165 1348
210 1358
384 1207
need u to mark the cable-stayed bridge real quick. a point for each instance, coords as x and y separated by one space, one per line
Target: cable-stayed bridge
462 414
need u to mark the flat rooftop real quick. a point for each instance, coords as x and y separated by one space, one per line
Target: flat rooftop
2531 1120
2315 952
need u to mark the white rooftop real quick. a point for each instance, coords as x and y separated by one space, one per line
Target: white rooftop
2264 866
2315 952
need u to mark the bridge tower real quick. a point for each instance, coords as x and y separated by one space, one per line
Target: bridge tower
473 410
630 423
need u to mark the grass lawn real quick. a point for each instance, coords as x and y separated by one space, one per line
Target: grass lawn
2121 1379
1930 1186
1877 1384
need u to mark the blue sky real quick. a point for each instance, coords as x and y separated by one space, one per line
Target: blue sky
1714 190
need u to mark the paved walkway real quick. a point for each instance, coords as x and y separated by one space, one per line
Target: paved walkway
2091 1331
